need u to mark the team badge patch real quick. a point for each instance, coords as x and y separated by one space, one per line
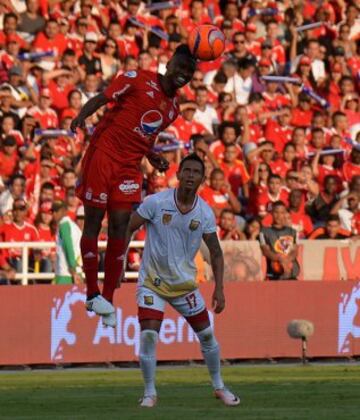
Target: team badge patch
194 224
166 219
131 73
149 300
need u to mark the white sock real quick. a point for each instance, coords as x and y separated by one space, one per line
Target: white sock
147 356
211 352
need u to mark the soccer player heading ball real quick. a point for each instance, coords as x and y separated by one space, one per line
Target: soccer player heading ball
145 103
176 222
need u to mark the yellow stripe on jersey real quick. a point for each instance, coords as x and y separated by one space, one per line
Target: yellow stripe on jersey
167 290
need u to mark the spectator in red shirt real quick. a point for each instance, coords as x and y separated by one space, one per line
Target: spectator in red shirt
228 228
50 39
8 158
351 168
302 114
274 193
43 113
18 231
228 133
43 224
196 17
219 195
327 164
279 132
300 221
331 230
235 171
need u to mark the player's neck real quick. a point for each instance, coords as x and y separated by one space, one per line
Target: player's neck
185 198
167 86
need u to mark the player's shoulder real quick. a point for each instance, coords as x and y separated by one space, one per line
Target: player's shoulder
159 197
204 206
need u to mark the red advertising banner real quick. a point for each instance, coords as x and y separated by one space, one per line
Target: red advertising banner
48 324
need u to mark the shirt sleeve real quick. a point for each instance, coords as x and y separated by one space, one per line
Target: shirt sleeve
67 244
121 85
147 208
210 222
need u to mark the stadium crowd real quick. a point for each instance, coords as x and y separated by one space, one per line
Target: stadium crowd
262 141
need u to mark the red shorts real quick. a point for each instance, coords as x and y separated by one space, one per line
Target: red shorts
106 183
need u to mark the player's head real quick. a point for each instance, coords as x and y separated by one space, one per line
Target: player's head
181 66
191 172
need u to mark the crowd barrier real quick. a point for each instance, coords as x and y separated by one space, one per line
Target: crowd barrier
319 260
48 324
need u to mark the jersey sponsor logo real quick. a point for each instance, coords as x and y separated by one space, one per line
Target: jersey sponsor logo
194 224
150 93
103 197
149 300
166 219
150 123
131 73
129 186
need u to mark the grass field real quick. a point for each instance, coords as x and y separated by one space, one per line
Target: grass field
272 392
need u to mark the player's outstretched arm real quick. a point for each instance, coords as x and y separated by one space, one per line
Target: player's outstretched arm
91 106
217 265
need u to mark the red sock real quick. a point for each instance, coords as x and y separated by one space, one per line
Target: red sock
114 260
89 254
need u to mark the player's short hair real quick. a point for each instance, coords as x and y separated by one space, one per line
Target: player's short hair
194 157
274 176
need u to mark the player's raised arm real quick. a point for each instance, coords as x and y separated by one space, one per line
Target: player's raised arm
91 106
217 265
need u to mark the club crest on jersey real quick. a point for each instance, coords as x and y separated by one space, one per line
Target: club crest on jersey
149 300
131 73
150 123
166 219
194 224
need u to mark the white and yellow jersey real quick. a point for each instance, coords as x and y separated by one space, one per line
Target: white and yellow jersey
172 241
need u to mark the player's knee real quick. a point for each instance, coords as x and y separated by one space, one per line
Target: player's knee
148 341
118 222
207 339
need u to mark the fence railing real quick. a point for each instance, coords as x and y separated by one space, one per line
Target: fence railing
26 247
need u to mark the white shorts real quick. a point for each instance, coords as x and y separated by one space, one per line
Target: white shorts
188 305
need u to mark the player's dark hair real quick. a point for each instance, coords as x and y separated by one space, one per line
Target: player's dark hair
193 157
17 176
228 124
274 176
47 186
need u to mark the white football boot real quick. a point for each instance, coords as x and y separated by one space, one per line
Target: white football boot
148 401
99 305
109 320
227 397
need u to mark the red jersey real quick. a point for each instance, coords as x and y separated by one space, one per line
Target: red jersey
278 134
350 170
214 198
301 118
58 44
237 175
217 148
280 167
11 232
8 164
128 130
324 171
45 235
184 129
355 224
46 119
265 200
302 223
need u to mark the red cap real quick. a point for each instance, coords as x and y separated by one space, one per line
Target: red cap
265 62
45 92
46 207
305 60
250 27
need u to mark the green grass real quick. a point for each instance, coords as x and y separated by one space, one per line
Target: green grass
272 392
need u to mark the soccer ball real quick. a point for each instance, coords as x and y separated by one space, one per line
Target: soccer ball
206 42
